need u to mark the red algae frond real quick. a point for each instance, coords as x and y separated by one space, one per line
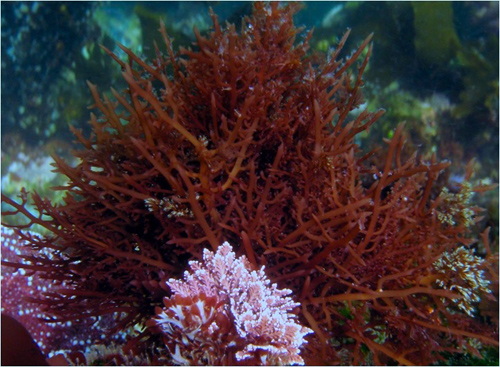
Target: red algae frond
249 139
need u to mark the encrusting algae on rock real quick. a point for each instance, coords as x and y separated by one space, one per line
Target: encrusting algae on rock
248 139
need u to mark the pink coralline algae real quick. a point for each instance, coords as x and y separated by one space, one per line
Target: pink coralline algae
23 292
19 286
223 312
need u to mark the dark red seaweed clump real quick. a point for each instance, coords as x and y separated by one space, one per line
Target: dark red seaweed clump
247 138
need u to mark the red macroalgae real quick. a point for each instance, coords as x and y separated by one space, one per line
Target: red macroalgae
249 139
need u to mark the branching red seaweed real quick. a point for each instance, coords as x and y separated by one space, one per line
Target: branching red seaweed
249 139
